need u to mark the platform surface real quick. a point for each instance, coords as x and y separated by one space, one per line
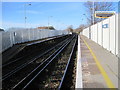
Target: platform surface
99 66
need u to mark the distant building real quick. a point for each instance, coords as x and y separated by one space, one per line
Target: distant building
45 27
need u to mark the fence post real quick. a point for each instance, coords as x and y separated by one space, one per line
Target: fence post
102 34
29 34
115 33
118 36
97 32
109 33
90 32
11 40
21 36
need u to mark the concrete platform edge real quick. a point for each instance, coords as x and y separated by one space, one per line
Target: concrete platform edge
79 83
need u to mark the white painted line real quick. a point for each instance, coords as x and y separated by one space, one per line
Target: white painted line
79 67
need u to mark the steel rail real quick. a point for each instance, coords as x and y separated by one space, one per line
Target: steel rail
4 65
40 71
67 66
20 84
27 63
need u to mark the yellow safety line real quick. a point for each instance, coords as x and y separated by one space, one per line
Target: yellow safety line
104 74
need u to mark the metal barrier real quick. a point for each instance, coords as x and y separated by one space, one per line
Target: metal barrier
15 36
105 33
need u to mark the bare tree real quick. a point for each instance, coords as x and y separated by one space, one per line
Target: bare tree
70 28
80 28
91 7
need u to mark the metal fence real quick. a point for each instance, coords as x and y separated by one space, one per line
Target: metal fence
105 33
11 37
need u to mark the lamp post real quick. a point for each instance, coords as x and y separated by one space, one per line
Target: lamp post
25 5
57 23
49 20
93 12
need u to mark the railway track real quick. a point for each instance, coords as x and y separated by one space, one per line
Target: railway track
21 61
28 74
11 76
67 76
31 49
64 68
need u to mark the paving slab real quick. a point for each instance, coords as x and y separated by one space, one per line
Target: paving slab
92 77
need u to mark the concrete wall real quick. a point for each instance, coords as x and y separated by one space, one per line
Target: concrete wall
106 36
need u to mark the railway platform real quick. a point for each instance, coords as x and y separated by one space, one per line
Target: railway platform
91 66
99 66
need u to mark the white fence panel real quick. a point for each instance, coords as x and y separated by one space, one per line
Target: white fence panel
112 34
117 33
106 35
37 34
24 35
6 40
50 33
40 34
92 32
100 33
18 37
95 33
56 33
34 35
86 32
83 32
44 33
31 35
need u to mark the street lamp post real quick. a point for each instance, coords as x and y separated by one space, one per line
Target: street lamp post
25 13
49 21
93 12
